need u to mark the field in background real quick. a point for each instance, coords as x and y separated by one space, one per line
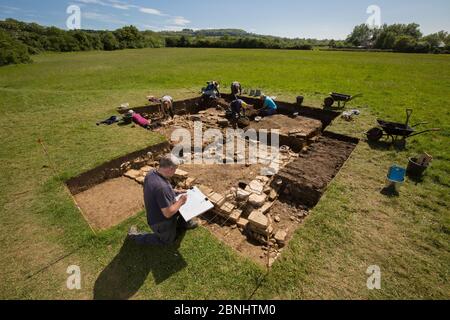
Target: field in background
60 97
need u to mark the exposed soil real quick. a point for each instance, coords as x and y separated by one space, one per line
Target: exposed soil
221 178
290 217
111 202
307 178
306 126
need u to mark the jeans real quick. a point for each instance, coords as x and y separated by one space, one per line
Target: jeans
164 233
267 112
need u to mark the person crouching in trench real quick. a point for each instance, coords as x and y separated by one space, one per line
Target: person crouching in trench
162 208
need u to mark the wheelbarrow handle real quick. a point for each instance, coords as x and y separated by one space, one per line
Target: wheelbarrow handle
419 124
355 96
425 131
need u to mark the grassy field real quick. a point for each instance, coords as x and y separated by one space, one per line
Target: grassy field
60 97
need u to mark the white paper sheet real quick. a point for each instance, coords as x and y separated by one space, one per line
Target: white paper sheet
196 205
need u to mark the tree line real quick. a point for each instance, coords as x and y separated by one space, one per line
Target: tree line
19 40
398 37
247 42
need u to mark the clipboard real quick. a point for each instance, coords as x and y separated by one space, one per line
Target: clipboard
196 205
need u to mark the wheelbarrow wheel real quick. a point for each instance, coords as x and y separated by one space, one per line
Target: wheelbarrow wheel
375 134
328 102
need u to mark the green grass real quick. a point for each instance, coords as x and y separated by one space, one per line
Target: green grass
60 97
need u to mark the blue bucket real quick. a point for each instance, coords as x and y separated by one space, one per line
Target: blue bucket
396 176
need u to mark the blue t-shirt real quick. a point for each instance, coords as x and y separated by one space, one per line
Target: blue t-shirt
269 103
236 106
158 194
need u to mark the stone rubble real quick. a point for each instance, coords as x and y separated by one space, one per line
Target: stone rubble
280 237
256 200
255 187
258 220
242 195
132 174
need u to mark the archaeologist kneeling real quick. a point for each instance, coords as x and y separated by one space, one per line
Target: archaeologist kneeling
237 113
212 90
167 107
269 107
162 207
236 89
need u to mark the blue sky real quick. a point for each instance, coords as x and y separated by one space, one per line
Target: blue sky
288 18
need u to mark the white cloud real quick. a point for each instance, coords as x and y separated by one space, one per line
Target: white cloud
99 2
174 23
101 17
109 3
179 21
172 28
120 6
151 11
149 27
9 8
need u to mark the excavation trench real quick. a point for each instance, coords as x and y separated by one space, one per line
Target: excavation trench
256 210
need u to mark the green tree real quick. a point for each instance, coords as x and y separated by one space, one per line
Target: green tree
411 30
422 47
361 35
183 42
95 40
12 51
82 39
110 42
405 44
437 40
386 40
129 37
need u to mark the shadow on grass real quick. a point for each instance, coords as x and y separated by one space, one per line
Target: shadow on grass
384 145
390 192
379 145
415 179
127 272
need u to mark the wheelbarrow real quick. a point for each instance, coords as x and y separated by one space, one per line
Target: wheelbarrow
396 130
339 97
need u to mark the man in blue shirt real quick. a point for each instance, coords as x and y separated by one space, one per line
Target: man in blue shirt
162 207
212 90
269 106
